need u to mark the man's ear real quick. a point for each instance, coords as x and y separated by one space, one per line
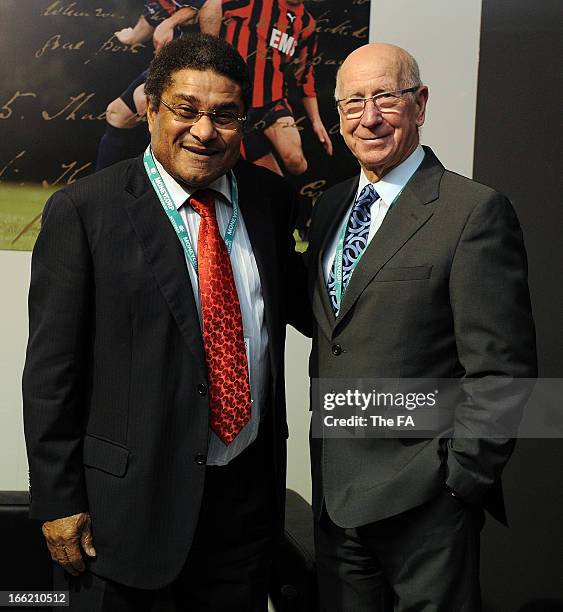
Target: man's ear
421 101
151 115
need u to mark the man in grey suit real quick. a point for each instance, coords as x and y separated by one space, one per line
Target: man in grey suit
414 272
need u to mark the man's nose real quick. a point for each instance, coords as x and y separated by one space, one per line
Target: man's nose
371 115
203 129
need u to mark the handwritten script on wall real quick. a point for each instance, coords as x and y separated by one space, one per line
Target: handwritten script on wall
63 65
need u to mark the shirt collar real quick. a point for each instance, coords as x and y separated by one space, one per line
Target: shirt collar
389 187
180 193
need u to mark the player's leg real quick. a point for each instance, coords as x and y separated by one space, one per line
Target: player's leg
119 115
120 141
283 133
256 148
286 140
270 162
140 100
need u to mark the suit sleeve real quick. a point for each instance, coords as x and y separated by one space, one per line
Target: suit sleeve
54 379
495 339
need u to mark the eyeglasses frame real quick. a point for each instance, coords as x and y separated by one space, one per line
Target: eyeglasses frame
201 113
397 92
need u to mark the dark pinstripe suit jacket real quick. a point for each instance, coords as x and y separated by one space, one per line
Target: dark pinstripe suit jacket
114 415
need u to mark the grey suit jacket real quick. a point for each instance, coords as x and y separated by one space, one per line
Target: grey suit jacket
440 292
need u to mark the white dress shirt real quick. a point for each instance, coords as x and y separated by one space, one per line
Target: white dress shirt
388 188
247 283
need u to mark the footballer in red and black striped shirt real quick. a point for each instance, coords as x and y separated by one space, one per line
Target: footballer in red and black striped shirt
274 37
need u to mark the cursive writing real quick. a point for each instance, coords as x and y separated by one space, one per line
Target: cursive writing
55 43
60 9
11 163
313 190
69 174
344 28
112 45
6 110
71 108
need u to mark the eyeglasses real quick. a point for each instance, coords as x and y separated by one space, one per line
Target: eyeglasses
386 102
221 119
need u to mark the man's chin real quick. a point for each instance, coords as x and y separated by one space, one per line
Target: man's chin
203 173
198 181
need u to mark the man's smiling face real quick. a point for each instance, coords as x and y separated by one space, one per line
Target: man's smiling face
380 140
196 154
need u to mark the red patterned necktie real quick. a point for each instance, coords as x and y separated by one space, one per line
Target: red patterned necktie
223 339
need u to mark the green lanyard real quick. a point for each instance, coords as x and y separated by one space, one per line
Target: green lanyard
174 216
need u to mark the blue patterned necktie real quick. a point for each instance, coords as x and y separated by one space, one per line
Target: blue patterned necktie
355 241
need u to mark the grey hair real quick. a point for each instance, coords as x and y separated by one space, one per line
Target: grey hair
410 73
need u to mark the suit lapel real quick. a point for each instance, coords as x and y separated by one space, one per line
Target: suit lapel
165 256
330 214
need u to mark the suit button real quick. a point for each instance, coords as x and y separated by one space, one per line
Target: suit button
336 350
200 459
202 389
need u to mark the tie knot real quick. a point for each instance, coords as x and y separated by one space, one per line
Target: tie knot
203 202
367 196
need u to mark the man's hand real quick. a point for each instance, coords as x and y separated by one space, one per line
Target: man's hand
163 34
64 537
322 135
312 109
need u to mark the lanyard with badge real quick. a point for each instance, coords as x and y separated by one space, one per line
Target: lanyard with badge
174 216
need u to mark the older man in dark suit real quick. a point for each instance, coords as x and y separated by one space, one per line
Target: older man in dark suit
419 273
153 387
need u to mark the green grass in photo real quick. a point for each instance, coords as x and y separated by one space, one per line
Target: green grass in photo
20 215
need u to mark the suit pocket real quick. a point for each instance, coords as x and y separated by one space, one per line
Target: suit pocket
105 455
404 274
